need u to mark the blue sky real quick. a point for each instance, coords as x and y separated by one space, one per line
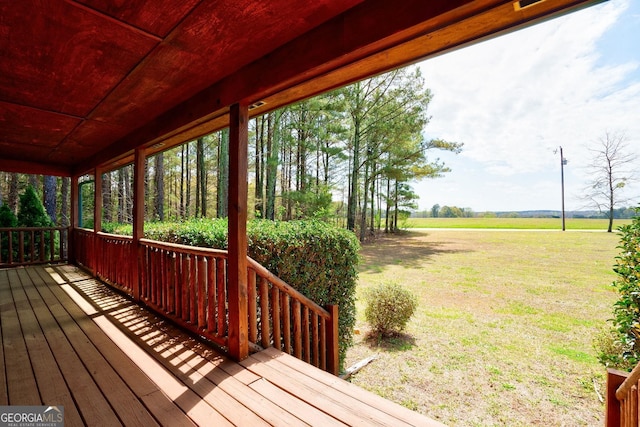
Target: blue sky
515 99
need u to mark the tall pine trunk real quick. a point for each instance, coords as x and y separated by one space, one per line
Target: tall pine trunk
223 175
187 203
50 198
259 168
201 178
353 188
64 204
272 167
158 181
121 196
106 198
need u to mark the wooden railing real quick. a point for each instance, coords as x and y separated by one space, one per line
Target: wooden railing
33 245
189 286
84 249
622 398
115 260
282 317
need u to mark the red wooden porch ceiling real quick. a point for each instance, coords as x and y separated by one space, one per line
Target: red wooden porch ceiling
82 83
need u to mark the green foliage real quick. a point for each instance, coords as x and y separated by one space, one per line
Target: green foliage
31 212
389 307
7 217
317 259
625 348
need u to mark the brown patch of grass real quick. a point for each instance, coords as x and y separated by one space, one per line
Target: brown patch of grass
503 330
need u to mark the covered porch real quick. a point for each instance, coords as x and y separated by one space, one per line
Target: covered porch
87 87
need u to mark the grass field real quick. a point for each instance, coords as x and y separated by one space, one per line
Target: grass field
503 333
514 223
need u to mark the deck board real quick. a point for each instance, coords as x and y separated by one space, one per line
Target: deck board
51 383
4 299
69 339
21 382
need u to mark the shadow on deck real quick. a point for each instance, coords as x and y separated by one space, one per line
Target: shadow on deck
69 340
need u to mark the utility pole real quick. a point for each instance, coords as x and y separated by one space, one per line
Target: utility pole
563 162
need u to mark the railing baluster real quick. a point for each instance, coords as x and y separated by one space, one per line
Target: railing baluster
316 343
305 334
323 346
286 322
221 280
264 313
41 254
186 283
297 330
202 292
211 294
21 247
179 284
193 287
171 290
10 247
275 317
32 244
252 309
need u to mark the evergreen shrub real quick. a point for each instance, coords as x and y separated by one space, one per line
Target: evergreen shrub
389 307
31 211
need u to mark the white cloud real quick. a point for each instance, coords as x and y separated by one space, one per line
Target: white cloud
514 99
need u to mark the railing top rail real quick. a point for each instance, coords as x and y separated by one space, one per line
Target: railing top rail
114 236
283 286
192 250
32 228
631 380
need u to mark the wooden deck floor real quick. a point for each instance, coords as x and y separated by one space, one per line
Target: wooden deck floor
69 340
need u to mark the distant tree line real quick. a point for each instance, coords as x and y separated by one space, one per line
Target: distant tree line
437 211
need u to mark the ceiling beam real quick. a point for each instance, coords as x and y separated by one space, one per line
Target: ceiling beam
19 166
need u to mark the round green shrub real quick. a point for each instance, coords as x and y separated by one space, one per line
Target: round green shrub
389 307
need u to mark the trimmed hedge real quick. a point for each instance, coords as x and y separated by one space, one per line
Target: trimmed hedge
317 259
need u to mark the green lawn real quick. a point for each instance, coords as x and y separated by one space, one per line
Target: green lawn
503 333
513 223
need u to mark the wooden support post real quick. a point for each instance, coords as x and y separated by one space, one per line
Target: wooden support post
615 379
73 220
237 267
333 353
138 221
97 201
97 221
